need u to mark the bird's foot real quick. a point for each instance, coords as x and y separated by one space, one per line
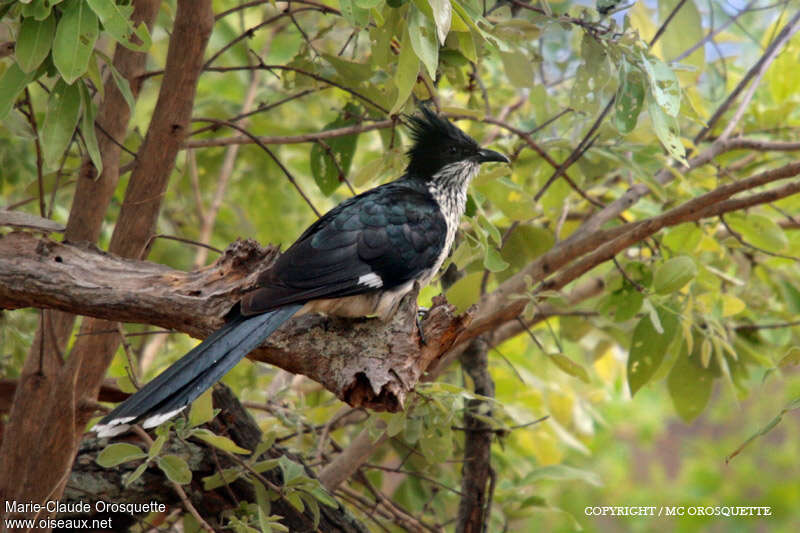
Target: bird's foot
422 312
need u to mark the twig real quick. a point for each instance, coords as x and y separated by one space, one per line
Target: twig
269 152
175 486
287 139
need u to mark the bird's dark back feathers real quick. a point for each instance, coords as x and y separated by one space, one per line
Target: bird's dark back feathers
436 144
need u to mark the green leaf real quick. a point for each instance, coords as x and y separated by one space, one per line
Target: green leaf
74 41
63 112
34 41
118 453
11 84
442 16
116 22
354 14
592 76
423 40
792 358
290 469
673 274
17 124
627 302
630 99
686 26
563 473
263 524
569 366
405 76
351 71
466 45
689 385
667 131
123 86
395 423
175 469
37 9
664 85
266 464
493 261
465 291
221 478
514 201
87 128
518 68
294 499
324 496
437 447
683 238
413 430
133 476
262 498
157 445
759 231
326 164
218 441
202 410
648 348
313 508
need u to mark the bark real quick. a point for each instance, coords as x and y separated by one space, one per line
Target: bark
475 504
365 362
92 484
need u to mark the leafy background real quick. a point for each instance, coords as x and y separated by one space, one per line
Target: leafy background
649 386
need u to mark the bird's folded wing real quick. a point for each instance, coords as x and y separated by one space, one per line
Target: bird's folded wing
377 240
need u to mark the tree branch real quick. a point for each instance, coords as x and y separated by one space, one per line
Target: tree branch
291 139
364 362
474 507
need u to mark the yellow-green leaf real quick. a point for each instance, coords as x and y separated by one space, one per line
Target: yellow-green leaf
673 274
406 74
689 386
118 453
423 40
648 347
34 41
569 366
218 441
11 84
175 469
63 112
74 40
116 22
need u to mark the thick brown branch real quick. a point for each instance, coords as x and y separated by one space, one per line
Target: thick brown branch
364 362
474 506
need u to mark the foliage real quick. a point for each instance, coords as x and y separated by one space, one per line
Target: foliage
696 319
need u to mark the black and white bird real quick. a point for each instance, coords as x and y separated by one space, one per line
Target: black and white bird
358 259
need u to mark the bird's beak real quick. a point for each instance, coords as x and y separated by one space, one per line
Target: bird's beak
485 156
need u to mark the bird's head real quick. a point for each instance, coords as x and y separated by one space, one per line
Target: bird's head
438 143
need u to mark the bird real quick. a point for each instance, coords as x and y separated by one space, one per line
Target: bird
359 259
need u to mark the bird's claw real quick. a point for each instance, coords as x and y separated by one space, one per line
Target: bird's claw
422 312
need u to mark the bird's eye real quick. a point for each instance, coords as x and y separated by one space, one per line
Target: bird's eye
453 149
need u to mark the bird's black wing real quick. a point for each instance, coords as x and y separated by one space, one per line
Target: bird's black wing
377 240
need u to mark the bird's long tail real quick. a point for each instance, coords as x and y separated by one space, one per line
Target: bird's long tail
180 384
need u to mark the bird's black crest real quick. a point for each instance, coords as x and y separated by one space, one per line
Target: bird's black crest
437 142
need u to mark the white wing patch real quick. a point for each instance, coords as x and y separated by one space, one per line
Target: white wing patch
157 420
115 427
371 280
